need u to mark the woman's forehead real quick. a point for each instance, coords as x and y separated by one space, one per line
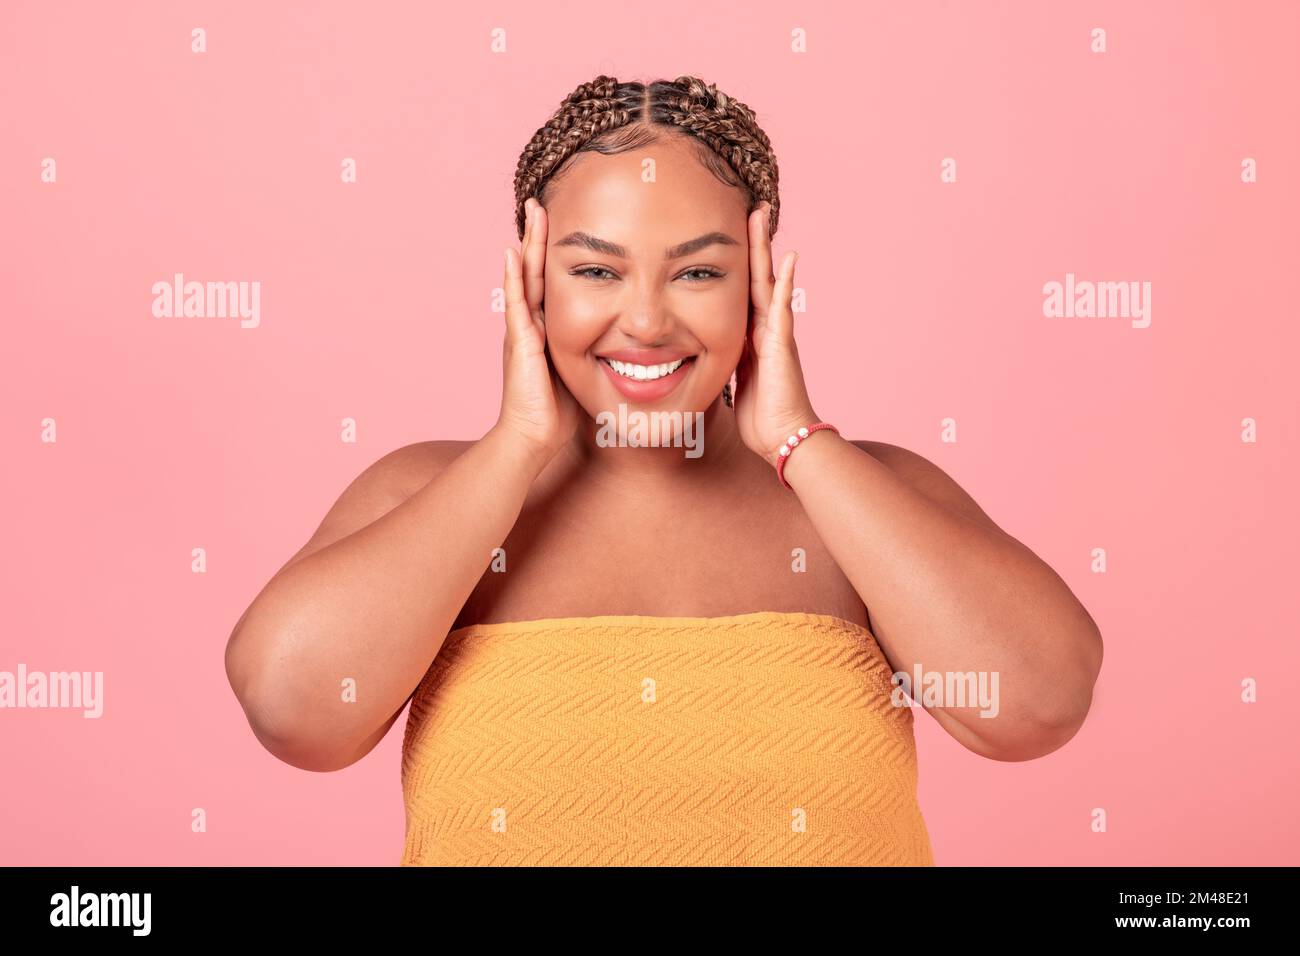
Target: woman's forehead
630 198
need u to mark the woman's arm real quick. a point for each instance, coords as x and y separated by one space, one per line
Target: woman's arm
371 598
946 589
951 592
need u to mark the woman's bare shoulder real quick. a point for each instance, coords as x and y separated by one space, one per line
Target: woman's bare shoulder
896 457
386 483
926 477
406 470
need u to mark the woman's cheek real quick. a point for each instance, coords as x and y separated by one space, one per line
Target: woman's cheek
722 331
572 326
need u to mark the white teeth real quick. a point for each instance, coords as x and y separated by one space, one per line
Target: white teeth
643 373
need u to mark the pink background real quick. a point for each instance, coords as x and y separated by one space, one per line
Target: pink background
924 302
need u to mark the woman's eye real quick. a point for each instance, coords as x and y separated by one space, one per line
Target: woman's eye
591 270
600 273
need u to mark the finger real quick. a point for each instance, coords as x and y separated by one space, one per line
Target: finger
518 319
745 367
780 317
760 259
744 370
535 258
562 393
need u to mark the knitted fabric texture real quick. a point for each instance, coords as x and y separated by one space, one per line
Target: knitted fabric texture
754 739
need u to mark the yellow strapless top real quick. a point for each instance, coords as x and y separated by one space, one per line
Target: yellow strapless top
754 739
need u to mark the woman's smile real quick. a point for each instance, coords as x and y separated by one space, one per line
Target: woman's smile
646 375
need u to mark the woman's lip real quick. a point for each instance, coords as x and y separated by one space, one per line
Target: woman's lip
645 356
646 390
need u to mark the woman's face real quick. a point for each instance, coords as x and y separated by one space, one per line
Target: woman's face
646 294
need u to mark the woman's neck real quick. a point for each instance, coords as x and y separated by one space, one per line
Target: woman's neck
640 450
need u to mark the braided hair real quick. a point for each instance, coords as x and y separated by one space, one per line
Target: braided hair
607 116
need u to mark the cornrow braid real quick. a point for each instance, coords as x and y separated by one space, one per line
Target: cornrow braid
607 116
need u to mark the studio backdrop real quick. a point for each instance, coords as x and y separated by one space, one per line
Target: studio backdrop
1050 247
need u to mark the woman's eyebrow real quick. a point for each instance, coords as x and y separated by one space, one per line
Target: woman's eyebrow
698 243
588 241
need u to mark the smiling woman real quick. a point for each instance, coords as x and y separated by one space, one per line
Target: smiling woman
618 654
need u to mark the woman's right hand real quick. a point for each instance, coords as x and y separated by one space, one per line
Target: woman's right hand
536 407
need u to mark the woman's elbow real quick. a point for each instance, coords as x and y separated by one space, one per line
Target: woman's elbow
286 739
274 721
1023 739
1055 715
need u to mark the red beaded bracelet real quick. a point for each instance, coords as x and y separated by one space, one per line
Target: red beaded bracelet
783 453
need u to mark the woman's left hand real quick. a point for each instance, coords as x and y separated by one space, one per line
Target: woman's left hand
771 400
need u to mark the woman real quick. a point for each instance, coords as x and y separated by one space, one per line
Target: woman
671 644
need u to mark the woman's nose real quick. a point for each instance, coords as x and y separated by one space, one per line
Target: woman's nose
647 319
